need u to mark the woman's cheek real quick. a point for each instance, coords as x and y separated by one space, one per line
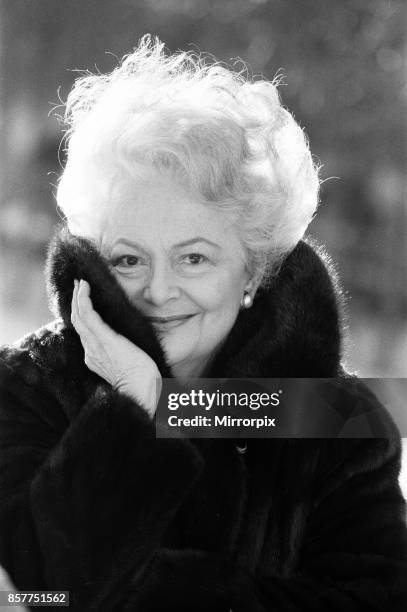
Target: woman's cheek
208 293
225 289
130 285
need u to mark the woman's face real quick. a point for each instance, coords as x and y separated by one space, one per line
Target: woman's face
179 262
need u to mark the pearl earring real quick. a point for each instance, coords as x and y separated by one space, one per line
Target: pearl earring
246 301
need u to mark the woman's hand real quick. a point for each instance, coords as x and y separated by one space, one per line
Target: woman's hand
110 355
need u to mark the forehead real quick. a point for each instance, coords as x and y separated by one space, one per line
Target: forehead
156 209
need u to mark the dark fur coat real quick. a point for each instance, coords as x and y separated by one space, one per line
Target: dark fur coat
93 503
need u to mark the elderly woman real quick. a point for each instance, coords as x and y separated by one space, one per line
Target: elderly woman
187 191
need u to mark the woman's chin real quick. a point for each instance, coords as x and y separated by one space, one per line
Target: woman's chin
177 347
177 341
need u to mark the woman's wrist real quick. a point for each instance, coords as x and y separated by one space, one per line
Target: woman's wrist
145 390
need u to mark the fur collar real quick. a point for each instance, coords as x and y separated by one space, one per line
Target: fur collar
292 330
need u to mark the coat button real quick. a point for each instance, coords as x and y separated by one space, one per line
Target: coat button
241 448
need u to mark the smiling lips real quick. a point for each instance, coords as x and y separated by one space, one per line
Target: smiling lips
169 322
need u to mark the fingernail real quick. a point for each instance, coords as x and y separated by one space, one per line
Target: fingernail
75 282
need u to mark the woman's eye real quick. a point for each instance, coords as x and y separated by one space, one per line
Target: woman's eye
128 261
194 259
129 264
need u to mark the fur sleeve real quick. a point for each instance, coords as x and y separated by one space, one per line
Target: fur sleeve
85 511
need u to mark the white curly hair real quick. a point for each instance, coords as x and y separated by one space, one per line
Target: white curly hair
225 135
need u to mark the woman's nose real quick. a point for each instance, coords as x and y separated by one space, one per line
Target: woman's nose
161 285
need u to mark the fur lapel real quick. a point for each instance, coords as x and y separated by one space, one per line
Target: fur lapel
292 330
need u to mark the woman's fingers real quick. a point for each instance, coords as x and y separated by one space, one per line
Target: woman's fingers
77 320
90 317
74 304
87 320
85 308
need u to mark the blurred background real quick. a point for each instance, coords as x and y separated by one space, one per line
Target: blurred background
345 81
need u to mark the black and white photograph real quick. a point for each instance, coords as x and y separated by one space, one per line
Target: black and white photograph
203 305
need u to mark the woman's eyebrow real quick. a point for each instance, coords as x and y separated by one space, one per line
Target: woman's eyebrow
197 239
184 243
127 242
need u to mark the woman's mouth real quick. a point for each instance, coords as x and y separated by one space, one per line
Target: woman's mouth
165 323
